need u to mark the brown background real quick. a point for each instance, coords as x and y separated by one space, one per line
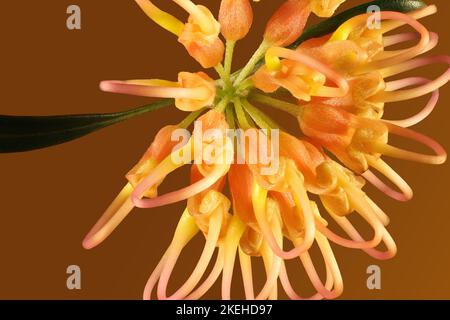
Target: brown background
51 198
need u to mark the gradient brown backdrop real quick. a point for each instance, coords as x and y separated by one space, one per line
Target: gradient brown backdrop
51 198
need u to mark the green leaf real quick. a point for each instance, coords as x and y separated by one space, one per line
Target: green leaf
330 25
25 133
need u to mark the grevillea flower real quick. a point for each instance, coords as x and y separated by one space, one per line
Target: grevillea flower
336 86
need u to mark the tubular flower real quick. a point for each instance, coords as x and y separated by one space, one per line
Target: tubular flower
288 22
199 35
192 92
302 75
258 192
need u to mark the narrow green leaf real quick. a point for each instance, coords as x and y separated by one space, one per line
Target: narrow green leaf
330 25
25 133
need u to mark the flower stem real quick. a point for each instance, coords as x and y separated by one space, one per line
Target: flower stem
228 60
261 119
257 56
240 114
229 115
288 107
245 85
220 71
220 107
190 118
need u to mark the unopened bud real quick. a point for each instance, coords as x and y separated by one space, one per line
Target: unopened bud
287 23
236 18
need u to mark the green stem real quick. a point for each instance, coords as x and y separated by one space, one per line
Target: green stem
220 107
257 56
240 114
261 119
245 85
220 71
228 60
285 106
190 118
229 115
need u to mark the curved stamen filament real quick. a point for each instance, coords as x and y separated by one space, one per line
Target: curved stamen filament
322 227
162 18
347 243
359 201
387 239
400 95
390 252
139 88
181 194
153 279
303 208
290 291
200 290
434 40
272 264
235 231
173 253
167 166
331 263
381 215
113 216
270 292
331 266
403 55
160 172
398 38
323 91
185 231
345 30
425 112
212 278
388 26
247 274
388 150
259 204
405 193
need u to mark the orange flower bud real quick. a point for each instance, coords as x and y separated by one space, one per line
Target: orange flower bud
236 18
287 23
240 180
327 124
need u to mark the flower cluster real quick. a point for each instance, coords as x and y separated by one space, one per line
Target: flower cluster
337 87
